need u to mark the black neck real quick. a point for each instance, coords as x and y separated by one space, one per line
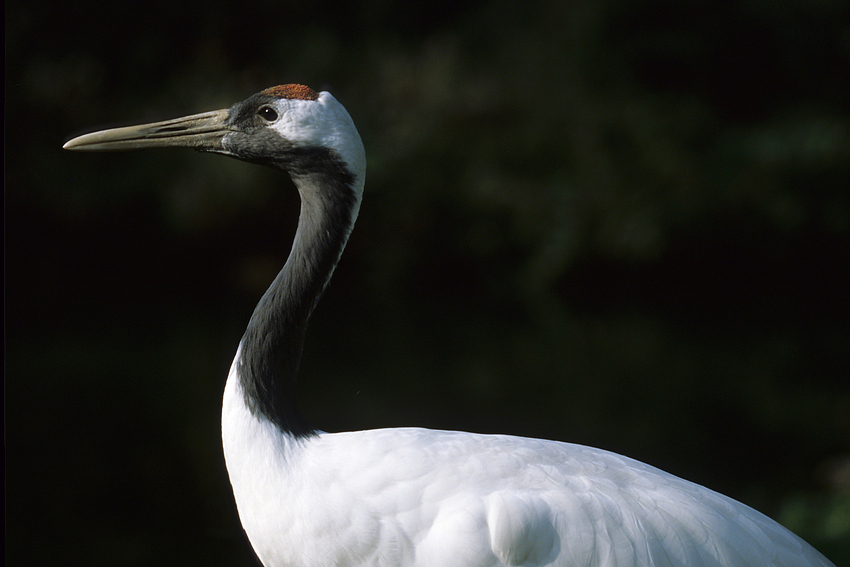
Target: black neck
272 344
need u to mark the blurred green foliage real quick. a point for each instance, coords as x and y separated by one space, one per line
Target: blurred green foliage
624 224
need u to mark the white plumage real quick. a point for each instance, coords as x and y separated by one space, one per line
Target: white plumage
418 497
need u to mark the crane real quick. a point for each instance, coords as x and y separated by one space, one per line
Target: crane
413 497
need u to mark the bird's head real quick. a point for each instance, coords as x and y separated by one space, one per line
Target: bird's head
289 126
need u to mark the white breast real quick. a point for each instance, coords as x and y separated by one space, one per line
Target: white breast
418 497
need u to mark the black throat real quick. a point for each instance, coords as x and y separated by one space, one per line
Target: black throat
271 346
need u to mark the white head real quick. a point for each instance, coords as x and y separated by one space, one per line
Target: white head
293 118
288 126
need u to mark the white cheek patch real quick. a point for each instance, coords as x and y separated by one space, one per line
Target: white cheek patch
298 122
321 123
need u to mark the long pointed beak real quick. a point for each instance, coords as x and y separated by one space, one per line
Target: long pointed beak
202 132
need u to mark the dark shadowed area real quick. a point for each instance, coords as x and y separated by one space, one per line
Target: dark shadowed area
623 224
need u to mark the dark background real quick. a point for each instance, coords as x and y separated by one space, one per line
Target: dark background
623 224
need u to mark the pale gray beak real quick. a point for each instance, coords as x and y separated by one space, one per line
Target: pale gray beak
202 132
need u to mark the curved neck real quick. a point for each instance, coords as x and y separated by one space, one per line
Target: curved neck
271 347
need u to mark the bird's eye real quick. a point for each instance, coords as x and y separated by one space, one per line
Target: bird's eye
267 113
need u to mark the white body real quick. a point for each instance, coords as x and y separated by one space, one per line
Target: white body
424 498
